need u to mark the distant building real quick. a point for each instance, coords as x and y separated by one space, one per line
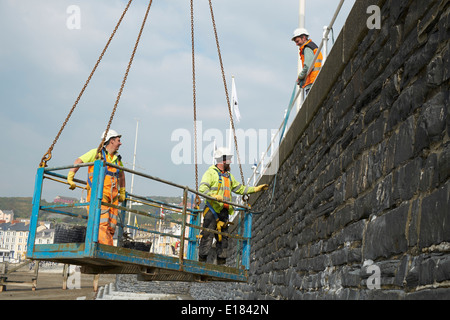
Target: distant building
65 200
7 215
45 236
162 242
4 255
13 240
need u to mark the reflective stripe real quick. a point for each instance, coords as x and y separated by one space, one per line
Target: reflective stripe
206 184
112 224
106 199
108 219
237 187
224 183
317 65
104 220
226 191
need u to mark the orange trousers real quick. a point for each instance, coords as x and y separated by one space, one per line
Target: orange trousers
108 216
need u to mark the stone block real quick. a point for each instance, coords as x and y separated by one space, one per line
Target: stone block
385 235
406 180
429 175
433 117
426 271
435 72
400 273
412 277
442 272
443 169
435 218
408 101
403 146
420 59
446 62
430 294
375 132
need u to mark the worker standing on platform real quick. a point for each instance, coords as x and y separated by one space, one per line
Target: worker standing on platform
307 52
114 184
218 182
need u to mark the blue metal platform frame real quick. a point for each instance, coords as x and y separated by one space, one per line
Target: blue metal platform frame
97 258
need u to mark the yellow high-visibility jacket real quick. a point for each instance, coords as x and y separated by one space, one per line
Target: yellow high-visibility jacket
214 182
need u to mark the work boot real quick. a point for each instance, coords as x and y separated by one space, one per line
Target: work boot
221 261
202 258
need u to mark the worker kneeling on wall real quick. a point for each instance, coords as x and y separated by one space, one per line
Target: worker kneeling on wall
113 187
218 182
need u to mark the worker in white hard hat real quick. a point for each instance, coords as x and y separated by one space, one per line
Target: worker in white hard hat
218 182
113 186
307 52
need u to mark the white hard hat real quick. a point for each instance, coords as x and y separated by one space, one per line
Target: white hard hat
222 152
111 134
298 32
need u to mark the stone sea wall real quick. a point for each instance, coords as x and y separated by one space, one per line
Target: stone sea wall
361 204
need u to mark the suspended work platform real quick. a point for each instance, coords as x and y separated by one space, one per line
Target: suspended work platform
96 258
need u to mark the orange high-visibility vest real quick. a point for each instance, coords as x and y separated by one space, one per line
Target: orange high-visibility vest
224 178
317 65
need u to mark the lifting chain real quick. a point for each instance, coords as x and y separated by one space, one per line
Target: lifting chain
226 93
197 198
48 155
124 81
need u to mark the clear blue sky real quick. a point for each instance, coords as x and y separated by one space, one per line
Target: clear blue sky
44 64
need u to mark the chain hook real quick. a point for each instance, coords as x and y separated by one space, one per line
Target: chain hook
45 158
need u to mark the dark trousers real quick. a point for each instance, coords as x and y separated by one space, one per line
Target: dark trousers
209 221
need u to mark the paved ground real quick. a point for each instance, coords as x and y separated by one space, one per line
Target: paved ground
49 287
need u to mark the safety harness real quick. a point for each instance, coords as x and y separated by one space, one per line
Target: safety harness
227 194
108 173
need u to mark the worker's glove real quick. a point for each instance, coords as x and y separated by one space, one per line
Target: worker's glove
261 187
122 195
301 82
220 225
70 177
218 197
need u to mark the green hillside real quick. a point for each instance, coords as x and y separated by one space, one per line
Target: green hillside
22 207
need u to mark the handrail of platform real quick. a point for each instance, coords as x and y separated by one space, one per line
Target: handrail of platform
53 207
177 186
49 171
185 240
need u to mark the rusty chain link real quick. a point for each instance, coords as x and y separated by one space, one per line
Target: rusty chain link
226 91
124 80
47 156
197 198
